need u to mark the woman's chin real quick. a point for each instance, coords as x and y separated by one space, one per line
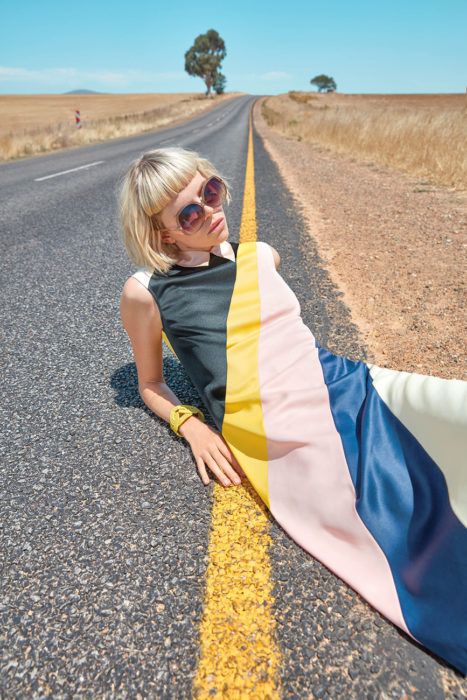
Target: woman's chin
222 235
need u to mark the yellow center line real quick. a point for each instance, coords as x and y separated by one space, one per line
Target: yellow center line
248 223
239 655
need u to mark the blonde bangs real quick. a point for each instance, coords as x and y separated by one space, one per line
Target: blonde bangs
149 185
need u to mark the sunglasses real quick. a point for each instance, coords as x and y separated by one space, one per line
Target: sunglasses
192 217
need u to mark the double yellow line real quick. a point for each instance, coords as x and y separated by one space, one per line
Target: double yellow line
239 656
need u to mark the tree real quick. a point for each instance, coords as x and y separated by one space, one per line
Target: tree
324 83
205 56
219 83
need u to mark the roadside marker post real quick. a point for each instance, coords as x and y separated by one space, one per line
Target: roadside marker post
78 119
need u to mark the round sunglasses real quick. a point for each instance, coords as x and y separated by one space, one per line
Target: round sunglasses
192 216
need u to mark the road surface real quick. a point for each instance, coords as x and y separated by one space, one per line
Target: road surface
105 522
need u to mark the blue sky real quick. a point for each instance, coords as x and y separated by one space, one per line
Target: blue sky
401 46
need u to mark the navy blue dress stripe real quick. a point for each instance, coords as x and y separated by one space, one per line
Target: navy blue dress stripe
402 497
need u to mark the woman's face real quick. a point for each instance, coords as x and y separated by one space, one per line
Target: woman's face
214 229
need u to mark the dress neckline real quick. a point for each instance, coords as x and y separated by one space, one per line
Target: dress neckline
214 261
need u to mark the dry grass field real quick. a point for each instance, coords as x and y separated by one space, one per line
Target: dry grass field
423 135
35 124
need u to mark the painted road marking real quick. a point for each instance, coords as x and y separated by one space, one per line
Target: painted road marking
239 655
65 172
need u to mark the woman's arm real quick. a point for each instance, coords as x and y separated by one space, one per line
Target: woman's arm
141 320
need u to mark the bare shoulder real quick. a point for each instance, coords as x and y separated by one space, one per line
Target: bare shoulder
137 303
135 294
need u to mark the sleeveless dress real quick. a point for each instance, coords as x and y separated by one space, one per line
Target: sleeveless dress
364 467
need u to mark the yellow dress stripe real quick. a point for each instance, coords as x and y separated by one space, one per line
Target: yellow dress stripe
243 427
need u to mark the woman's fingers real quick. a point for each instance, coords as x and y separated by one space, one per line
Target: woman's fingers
227 466
216 470
210 450
222 469
202 470
230 457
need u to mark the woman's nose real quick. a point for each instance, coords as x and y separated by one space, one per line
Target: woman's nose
208 209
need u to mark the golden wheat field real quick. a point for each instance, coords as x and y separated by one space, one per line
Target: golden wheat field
34 124
422 135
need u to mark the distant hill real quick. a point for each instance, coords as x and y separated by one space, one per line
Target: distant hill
83 92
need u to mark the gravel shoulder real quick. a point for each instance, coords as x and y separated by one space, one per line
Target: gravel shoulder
396 247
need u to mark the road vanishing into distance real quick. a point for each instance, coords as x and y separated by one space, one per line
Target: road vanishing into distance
105 524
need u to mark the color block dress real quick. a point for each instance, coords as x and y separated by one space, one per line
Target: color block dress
364 467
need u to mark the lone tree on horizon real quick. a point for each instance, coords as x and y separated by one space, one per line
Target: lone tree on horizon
204 58
324 83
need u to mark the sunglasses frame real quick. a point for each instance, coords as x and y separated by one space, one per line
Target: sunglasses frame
203 206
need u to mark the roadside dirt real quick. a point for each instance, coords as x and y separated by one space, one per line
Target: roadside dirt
396 248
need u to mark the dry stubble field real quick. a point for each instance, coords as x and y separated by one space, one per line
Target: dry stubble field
424 135
36 124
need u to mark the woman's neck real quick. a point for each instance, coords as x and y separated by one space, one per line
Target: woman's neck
198 258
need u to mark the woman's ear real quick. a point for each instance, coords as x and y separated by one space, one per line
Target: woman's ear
165 236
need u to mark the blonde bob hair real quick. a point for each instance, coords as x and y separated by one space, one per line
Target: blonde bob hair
149 185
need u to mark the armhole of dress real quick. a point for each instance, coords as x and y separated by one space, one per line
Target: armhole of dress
143 277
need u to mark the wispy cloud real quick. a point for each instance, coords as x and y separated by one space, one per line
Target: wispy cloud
60 75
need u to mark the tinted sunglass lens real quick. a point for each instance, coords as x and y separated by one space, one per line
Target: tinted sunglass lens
214 192
191 218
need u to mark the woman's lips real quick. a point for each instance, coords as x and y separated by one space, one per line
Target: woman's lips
216 224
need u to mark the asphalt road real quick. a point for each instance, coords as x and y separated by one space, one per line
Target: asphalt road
104 524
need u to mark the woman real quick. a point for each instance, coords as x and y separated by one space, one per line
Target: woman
149 242
360 465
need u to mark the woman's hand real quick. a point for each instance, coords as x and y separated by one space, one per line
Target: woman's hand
210 450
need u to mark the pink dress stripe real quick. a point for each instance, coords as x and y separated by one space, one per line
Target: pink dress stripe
310 489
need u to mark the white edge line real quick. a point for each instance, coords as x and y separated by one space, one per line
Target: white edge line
64 172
